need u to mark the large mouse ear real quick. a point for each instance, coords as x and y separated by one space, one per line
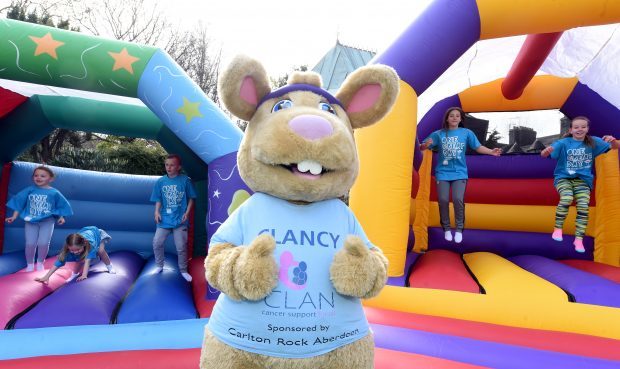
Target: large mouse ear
368 94
242 85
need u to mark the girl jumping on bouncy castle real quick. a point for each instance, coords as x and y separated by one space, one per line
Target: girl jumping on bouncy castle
452 140
41 206
82 247
573 174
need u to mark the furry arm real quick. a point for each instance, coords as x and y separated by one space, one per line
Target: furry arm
243 272
358 271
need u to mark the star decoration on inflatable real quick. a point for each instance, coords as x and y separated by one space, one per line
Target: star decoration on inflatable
46 45
123 60
190 110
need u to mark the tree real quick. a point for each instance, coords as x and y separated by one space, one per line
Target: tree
138 21
281 81
493 139
195 53
40 12
145 22
126 20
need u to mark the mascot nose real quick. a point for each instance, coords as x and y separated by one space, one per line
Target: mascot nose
311 127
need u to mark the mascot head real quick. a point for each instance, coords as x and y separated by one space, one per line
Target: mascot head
299 144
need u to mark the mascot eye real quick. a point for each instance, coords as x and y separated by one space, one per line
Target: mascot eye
282 104
326 107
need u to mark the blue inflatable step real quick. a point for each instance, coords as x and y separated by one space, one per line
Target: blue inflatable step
11 262
158 296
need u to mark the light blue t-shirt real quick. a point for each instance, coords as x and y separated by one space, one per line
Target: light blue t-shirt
451 164
303 316
94 236
575 158
35 204
173 193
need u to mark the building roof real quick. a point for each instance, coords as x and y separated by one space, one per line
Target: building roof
339 62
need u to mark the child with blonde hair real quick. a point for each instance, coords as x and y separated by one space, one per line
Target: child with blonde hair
82 247
40 206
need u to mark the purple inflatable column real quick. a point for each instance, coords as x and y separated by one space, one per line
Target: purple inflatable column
226 191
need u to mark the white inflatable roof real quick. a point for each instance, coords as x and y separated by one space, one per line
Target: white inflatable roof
590 53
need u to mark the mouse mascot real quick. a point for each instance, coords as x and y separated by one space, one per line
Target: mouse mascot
292 262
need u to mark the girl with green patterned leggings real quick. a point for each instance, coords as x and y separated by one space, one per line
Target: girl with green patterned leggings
573 176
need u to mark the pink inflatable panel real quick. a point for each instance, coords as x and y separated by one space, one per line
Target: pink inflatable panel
20 290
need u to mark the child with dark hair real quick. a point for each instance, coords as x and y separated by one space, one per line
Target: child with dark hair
452 141
573 178
40 206
174 196
82 247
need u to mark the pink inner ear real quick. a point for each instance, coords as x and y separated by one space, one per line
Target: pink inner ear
365 98
248 91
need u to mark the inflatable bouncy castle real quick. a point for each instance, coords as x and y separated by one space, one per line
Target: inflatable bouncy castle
507 297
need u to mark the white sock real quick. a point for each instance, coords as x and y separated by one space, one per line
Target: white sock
111 269
458 237
159 269
29 267
187 276
448 235
40 266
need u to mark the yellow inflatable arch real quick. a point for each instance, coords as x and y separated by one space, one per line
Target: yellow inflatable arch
381 197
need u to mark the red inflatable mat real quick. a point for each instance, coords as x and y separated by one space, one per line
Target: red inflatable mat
510 191
602 270
199 287
569 343
442 270
190 359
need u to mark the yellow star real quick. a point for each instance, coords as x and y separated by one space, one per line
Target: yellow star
190 110
46 45
123 60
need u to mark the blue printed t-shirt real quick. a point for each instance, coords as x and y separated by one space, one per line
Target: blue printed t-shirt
35 204
451 164
173 194
303 316
94 236
575 158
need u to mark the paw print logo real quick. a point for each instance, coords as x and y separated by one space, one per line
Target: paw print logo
300 275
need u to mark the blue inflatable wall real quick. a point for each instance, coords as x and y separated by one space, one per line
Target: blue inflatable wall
117 203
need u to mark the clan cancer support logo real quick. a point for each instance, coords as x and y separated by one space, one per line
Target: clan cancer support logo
299 272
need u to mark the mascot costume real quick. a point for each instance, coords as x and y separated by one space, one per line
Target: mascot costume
292 262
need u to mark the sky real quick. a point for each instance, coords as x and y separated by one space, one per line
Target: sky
283 35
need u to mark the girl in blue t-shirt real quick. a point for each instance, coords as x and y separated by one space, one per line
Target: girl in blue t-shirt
452 141
573 176
40 206
82 247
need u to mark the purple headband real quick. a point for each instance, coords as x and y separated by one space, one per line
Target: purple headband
300 87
